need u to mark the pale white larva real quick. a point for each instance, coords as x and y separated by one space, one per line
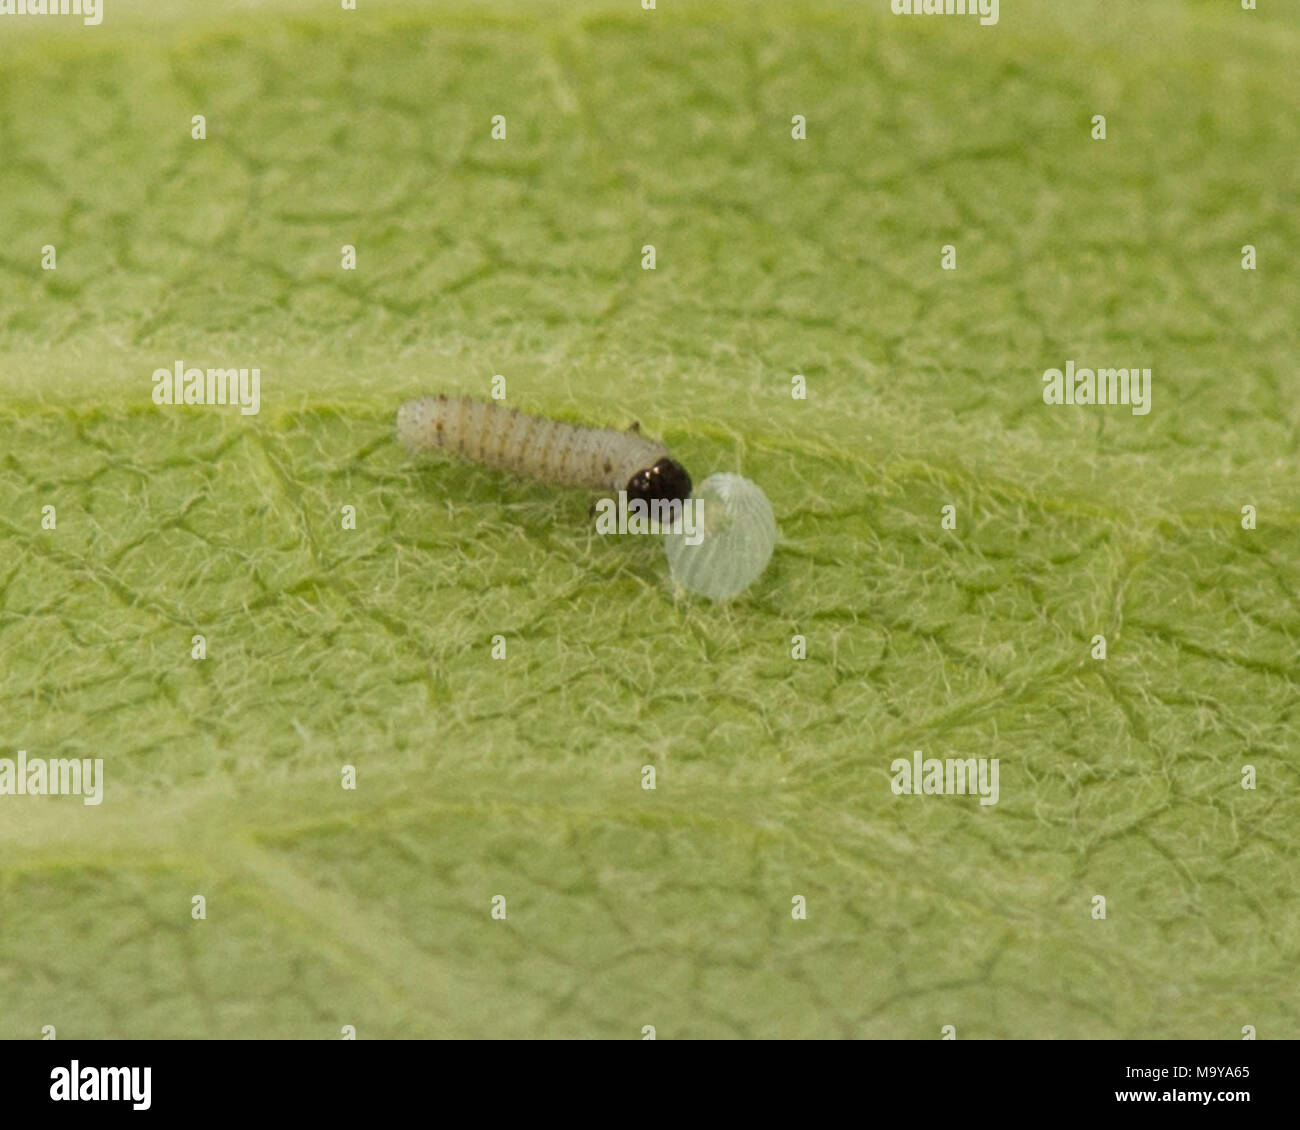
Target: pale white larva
738 526
547 450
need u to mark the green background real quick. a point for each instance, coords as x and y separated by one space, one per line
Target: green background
522 777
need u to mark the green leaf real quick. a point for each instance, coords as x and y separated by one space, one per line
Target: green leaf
521 777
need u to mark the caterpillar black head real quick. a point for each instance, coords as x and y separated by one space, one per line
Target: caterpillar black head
666 480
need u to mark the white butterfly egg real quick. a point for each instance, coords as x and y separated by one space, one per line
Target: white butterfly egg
738 532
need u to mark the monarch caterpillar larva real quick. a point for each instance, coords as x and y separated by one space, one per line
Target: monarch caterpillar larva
547 450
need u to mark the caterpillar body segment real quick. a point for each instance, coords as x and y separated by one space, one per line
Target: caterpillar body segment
547 450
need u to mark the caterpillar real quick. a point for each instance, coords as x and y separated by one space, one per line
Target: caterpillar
546 450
